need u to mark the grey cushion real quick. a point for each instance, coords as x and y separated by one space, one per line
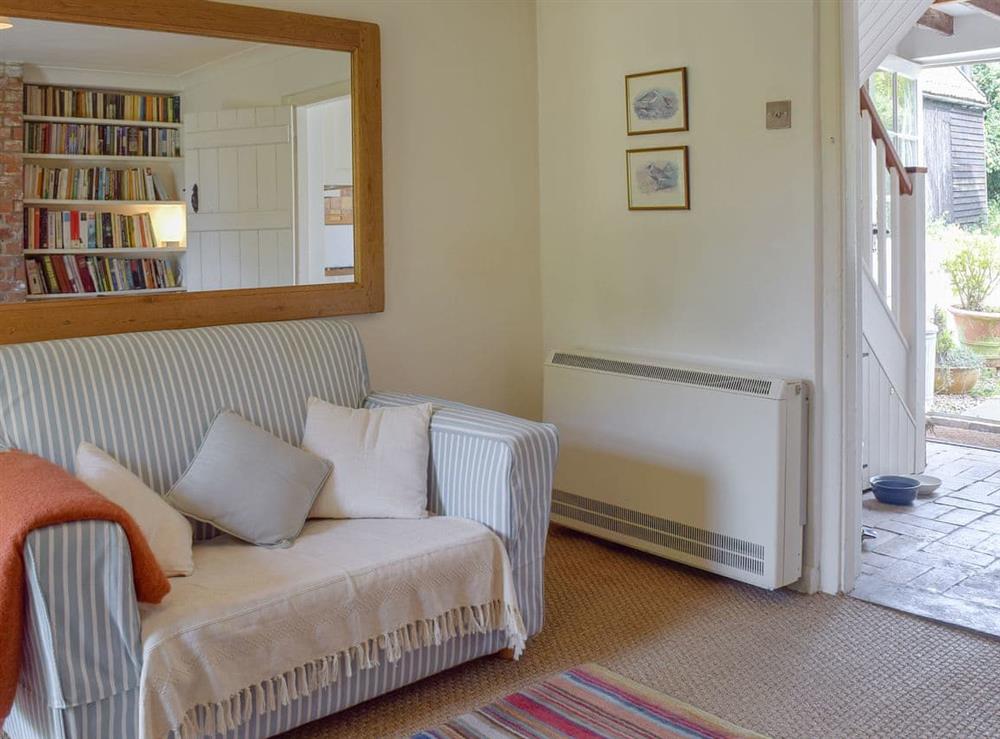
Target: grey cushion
249 483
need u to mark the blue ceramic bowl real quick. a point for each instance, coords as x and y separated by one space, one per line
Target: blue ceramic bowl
895 489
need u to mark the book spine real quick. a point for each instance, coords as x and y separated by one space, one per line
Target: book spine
36 283
62 277
51 278
84 272
48 100
93 183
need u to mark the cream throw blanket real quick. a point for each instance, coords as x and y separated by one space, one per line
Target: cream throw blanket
254 628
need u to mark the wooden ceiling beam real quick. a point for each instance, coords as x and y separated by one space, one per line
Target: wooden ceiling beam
990 7
939 21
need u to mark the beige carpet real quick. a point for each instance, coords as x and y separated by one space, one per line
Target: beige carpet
778 663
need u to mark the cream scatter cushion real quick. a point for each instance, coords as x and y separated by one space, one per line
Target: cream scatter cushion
379 457
166 530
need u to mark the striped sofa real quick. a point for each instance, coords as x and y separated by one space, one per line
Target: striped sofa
147 399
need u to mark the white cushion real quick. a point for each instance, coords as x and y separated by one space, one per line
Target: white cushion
379 459
166 530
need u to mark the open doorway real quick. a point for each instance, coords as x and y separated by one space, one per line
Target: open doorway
962 115
325 218
940 556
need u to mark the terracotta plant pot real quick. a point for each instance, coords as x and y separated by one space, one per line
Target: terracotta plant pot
955 380
980 331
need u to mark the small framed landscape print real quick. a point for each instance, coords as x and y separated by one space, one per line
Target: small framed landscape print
657 101
658 178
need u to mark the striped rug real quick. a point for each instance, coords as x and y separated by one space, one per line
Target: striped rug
586 702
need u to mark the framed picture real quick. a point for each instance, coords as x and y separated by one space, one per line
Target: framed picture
658 178
657 101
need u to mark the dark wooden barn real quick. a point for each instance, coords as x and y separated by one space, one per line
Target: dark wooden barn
954 146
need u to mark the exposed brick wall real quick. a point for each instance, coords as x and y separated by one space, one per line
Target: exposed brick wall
12 279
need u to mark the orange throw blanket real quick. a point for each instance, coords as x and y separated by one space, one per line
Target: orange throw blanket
34 493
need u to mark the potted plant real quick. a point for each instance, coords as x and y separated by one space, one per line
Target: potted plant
957 368
974 271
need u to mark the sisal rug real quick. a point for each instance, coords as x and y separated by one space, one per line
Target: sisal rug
586 701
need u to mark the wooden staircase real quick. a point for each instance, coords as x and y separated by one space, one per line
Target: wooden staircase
891 242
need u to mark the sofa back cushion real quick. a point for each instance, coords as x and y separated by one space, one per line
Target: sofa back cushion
147 399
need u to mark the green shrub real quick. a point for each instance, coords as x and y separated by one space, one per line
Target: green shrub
948 354
992 226
945 343
960 357
974 269
988 385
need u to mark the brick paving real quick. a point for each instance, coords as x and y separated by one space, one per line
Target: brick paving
940 558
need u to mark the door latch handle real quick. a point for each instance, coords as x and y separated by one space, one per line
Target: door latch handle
194 198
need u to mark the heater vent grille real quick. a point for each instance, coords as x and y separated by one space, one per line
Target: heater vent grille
710 545
718 380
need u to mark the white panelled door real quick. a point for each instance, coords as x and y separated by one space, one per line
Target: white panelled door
241 163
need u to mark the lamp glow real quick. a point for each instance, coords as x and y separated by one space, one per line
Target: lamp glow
5 23
169 223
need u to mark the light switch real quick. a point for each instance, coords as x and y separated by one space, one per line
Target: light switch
779 114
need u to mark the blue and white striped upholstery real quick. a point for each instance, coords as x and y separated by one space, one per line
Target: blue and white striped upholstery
82 653
148 399
496 469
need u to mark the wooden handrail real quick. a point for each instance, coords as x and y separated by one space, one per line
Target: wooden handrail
891 156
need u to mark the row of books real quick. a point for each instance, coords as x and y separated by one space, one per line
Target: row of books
84 229
74 103
92 183
67 274
101 139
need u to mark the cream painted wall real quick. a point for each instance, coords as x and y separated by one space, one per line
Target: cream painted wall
734 278
262 76
734 281
459 111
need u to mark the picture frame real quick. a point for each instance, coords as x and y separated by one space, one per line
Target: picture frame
656 102
658 178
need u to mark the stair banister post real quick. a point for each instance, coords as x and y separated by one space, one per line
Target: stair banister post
913 309
881 224
865 219
895 252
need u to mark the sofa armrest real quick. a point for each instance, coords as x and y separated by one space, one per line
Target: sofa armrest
495 469
82 639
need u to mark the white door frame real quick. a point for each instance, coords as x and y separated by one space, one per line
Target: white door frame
847 341
833 543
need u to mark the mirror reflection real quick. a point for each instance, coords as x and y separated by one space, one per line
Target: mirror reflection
165 162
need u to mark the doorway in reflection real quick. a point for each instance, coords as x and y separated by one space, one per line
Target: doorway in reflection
326 202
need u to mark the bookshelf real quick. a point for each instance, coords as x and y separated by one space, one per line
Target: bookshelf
107 294
71 119
32 155
51 202
147 253
103 214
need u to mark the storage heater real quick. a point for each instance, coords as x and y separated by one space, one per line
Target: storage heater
703 466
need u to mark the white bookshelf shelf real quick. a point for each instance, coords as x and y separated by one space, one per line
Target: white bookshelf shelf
70 201
98 157
100 121
67 296
138 252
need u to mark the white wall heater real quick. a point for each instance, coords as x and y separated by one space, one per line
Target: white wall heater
703 466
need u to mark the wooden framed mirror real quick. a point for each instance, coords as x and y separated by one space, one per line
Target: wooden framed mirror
178 171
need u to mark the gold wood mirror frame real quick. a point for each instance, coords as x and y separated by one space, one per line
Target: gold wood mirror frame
38 321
